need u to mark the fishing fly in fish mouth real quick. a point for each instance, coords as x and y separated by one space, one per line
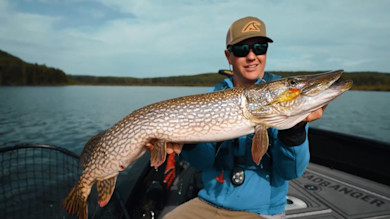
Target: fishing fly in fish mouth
209 117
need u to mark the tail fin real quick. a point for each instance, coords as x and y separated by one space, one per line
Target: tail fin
75 203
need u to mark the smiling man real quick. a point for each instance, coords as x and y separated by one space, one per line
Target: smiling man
234 186
247 45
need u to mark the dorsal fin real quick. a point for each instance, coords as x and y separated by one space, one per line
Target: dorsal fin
89 147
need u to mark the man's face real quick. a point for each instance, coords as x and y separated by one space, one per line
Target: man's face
247 70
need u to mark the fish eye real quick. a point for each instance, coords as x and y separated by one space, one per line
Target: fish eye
292 82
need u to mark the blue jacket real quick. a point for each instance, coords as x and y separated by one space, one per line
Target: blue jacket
265 186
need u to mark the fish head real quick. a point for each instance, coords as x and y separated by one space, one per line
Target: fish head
284 103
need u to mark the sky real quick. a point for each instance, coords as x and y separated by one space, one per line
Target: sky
158 38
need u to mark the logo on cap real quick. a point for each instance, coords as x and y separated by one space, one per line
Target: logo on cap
252 26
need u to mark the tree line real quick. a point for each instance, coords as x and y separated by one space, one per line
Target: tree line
16 72
207 79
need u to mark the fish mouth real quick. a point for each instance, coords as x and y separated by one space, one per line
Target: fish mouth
341 85
316 84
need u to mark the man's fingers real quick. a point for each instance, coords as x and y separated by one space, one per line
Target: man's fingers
317 114
169 150
177 148
174 147
171 147
149 146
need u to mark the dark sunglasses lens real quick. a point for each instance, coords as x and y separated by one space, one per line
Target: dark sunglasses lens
241 50
260 49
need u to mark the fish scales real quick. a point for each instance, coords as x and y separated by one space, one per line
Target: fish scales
188 118
207 117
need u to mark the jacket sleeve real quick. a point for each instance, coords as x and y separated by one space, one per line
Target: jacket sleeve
289 161
201 155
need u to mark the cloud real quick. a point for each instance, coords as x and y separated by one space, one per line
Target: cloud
145 38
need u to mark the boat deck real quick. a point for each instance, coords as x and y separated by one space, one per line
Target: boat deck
328 193
320 193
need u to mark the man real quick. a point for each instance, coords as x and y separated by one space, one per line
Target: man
234 186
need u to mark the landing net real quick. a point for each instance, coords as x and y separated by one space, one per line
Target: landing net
35 179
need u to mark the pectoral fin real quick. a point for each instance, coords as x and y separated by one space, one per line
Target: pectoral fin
105 189
158 153
259 143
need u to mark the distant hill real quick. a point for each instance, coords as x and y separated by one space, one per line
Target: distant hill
14 71
207 79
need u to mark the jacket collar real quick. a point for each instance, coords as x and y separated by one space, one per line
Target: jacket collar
267 77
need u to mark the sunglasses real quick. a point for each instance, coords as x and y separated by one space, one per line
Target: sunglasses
243 50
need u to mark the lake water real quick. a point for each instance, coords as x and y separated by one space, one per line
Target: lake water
68 116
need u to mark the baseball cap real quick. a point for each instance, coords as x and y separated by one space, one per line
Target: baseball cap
246 28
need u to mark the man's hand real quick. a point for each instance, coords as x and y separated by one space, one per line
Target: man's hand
171 147
174 147
315 115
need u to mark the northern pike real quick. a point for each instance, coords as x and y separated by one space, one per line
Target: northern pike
209 117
